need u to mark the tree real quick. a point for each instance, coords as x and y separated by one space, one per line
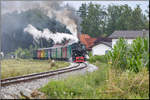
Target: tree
138 19
83 10
93 19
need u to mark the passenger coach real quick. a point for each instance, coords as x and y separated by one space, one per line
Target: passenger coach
76 52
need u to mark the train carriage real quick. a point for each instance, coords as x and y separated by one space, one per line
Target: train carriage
74 51
53 53
46 54
68 52
42 54
49 53
64 52
59 53
38 54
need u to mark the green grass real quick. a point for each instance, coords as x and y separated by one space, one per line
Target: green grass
105 83
93 59
77 86
17 67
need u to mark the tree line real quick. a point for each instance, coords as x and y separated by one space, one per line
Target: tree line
97 20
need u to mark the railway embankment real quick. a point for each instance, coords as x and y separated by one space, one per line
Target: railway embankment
30 89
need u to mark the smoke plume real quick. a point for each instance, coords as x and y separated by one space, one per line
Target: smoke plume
47 34
53 9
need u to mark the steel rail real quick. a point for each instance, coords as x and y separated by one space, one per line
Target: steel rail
29 75
25 78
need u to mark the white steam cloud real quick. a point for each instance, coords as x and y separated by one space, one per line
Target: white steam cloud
53 9
47 34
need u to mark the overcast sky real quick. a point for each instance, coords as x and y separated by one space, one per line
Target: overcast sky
10 5
143 4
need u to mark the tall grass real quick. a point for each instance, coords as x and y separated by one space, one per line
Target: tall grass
105 83
132 57
127 85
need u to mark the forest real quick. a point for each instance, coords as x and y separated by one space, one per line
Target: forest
97 20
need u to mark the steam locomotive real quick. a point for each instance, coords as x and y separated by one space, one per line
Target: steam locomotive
75 52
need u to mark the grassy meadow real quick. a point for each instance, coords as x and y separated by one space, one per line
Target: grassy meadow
17 67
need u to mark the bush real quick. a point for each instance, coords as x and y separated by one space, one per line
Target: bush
90 54
132 57
93 59
24 53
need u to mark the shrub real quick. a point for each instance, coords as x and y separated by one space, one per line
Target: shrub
132 57
90 54
93 59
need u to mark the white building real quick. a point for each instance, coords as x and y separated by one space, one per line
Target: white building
101 48
129 41
101 45
127 35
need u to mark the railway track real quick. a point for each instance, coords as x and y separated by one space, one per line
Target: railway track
25 78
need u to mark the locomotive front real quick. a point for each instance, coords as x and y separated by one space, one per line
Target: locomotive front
78 52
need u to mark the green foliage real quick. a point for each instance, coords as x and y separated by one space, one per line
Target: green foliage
90 54
98 20
127 85
24 53
92 16
118 55
132 57
105 83
76 87
138 55
93 59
